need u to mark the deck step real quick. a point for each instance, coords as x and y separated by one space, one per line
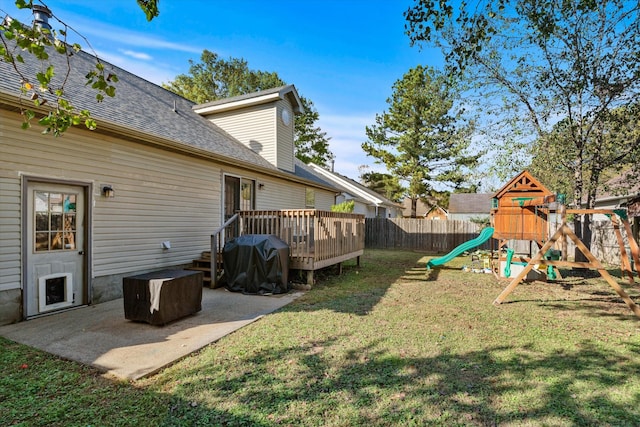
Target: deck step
204 264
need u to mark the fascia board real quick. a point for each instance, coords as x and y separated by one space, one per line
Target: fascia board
352 188
249 102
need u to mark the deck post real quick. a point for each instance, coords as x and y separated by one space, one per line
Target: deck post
310 277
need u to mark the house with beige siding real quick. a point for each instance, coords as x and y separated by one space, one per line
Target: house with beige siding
142 192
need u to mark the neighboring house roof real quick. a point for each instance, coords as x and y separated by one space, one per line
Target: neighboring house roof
422 209
621 187
353 188
470 203
141 110
438 210
255 98
306 172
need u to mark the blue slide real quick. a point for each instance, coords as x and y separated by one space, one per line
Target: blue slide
483 237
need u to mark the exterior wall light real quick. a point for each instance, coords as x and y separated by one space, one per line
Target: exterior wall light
108 191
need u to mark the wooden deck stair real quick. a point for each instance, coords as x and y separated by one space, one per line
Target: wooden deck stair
204 264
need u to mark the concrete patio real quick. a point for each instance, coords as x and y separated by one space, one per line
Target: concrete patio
100 336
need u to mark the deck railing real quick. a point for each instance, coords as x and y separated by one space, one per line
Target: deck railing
217 243
316 238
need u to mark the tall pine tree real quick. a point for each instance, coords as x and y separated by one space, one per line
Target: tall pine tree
421 140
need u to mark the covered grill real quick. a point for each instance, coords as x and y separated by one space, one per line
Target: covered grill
256 264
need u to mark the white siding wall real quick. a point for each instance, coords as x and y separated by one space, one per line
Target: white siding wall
253 126
282 194
155 200
325 199
285 135
360 208
159 196
9 224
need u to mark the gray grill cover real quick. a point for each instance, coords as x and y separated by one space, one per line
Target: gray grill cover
256 264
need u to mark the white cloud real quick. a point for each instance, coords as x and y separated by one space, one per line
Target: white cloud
137 55
153 72
347 133
97 30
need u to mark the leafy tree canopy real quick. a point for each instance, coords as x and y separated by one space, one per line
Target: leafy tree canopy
385 184
216 78
559 76
563 75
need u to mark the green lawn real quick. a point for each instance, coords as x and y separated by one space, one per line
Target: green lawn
380 345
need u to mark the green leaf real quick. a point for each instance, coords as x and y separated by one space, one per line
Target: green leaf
46 120
50 72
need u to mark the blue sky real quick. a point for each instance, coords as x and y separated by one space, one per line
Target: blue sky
344 55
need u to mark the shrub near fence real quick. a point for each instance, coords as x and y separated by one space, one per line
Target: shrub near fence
419 234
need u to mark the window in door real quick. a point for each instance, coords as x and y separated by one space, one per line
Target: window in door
55 221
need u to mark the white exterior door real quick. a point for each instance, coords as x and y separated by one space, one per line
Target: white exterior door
55 248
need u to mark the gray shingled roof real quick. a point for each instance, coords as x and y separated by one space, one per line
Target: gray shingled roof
469 203
138 105
305 172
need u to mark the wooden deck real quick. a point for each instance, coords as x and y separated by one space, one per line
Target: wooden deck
316 239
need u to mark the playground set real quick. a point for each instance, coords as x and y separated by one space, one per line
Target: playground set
524 210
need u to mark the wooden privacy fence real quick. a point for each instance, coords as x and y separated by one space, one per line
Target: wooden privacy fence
604 245
419 234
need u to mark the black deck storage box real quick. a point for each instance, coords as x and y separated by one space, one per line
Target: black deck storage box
162 296
256 264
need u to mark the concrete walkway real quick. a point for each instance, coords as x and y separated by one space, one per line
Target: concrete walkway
100 336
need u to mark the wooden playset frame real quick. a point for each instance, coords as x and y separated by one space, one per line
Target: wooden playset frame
521 210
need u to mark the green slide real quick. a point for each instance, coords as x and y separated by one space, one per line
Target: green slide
483 237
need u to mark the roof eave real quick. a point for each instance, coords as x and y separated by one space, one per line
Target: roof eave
222 106
249 102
